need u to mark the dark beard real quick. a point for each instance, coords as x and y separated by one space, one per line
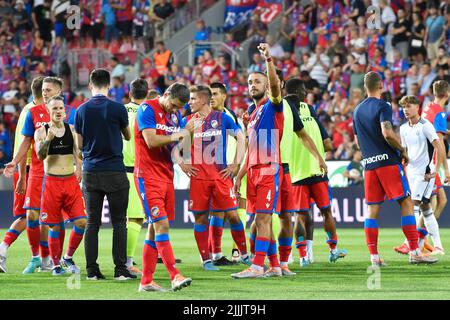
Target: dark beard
258 97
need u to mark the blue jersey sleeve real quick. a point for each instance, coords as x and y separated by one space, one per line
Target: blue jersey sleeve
229 124
28 126
123 117
386 113
70 115
77 124
145 117
440 122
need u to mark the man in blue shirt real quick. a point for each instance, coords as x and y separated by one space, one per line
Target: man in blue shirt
100 124
384 176
435 30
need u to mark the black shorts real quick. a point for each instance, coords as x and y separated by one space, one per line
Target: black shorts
125 27
138 31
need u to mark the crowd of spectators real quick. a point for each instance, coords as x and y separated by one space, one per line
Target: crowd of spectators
328 44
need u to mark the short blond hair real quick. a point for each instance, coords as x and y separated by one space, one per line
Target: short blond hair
409 100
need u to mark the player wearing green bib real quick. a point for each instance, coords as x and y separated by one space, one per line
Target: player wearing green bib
20 177
309 181
135 213
219 96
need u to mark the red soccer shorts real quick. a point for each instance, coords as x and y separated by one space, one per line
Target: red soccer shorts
308 194
62 200
287 194
263 189
437 185
157 198
19 199
388 181
215 195
33 194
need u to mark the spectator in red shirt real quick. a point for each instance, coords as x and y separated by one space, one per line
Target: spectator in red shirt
124 16
301 37
209 65
148 70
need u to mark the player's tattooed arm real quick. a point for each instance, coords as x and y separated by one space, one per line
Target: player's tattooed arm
43 142
391 138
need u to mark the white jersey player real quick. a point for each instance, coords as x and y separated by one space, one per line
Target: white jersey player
420 139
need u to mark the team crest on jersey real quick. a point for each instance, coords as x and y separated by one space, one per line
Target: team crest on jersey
41 115
191 204
27 201
144 106
174 118
44 216
214 124
155 211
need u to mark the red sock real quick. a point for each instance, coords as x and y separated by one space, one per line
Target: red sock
201 237
261 248
62 236
34 235
371 231
10 236
74 241
410 230
238 235
149 259
284 248
215 233
165 251
301 246
43 248
332 240
55 246
272 254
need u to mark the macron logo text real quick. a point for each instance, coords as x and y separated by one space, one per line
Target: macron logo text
379 157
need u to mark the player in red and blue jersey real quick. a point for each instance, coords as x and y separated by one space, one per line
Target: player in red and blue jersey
384 176
263 163
20 178
37 117
156 131
212 187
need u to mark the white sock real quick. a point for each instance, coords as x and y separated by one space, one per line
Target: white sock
374 257
309 249
38 256
217 256
3 248
283 264
129 262
432 227
244 256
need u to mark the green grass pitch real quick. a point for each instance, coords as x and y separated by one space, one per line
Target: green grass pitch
346 279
